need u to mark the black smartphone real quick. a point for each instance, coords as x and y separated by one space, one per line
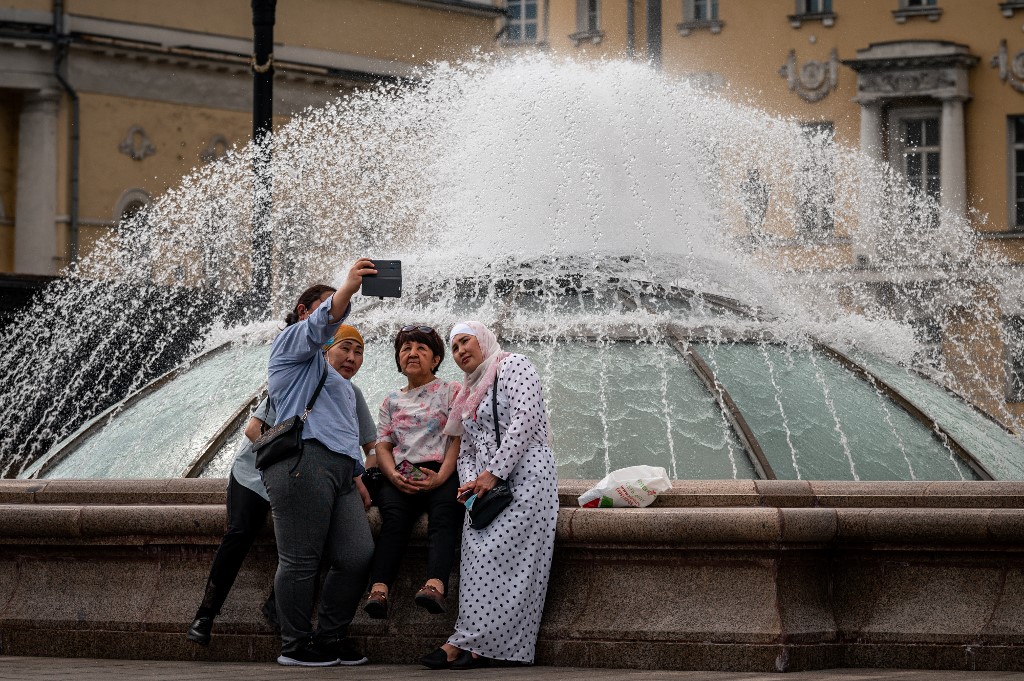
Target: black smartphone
387 283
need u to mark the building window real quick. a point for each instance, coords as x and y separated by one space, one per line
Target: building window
1014 328
1016 129
921 154
755 195
700 15
815 181
522 21
813 10
705 10
1009 7
589 15
813 6
917 8
588 22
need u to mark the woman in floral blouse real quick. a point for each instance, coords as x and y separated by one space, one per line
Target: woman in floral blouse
418 463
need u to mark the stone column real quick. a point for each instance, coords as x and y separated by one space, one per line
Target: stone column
871 130
953 159
864 245
35 212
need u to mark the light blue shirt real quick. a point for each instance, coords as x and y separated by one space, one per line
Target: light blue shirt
296 365
244 467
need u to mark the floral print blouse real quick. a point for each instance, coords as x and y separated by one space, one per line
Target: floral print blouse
413 421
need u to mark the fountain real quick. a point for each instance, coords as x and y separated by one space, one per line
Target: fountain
611 205
672 262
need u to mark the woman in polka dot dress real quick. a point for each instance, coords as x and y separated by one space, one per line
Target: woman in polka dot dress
503 577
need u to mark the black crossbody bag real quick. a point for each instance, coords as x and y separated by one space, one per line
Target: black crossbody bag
484 510
284 440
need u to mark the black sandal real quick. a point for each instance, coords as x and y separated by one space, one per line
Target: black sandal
437 660
467 660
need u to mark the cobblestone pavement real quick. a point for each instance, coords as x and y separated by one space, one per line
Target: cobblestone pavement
49 668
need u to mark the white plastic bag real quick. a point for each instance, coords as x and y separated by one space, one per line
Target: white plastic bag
635 486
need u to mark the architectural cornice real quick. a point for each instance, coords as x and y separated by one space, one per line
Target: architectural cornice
462 6
28 29
965 61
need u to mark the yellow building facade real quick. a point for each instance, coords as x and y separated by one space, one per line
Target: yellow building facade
155 89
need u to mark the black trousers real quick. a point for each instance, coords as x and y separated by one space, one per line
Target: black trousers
247 513
400 511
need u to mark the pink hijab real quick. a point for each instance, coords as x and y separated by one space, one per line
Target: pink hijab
476 383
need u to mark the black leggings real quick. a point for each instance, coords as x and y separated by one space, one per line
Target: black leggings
247 513
400 511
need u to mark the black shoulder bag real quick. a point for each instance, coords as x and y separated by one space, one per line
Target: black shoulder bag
485 509
284 440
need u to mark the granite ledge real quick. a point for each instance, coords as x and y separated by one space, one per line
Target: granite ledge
661 526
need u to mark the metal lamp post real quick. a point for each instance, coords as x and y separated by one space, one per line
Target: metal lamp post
262 127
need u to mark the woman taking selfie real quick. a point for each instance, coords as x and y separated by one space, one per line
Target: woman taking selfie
314 497
503 577
247 500
418 464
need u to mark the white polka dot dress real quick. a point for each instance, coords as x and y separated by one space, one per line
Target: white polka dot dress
503 576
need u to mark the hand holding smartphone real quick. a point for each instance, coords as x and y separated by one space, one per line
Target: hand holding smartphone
410 471
387 283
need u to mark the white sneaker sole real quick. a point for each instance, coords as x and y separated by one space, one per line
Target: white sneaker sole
353 663
286 661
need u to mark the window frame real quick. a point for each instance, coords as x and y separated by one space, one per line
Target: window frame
522 23
690 23
821 12
1015 214
1009 7
930 10
587 31
897 148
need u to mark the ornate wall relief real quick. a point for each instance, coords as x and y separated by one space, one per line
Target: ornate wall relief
1011 71
136 144
216 147
906 82
814 80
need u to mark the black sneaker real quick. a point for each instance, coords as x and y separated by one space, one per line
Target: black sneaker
309 654
344 648
200 629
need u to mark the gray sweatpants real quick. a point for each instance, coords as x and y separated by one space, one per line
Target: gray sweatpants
317 511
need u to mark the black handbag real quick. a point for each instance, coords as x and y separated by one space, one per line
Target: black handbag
284 440
483 510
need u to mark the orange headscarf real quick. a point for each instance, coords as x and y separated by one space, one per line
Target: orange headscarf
345 332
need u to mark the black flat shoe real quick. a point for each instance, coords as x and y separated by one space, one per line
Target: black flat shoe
200 630
436 660
466 660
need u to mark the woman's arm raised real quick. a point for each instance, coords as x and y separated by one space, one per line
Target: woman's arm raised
343 296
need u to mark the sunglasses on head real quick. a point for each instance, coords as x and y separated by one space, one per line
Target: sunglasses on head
414 327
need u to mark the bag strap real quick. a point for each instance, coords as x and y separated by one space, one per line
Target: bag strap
494 408
316 393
